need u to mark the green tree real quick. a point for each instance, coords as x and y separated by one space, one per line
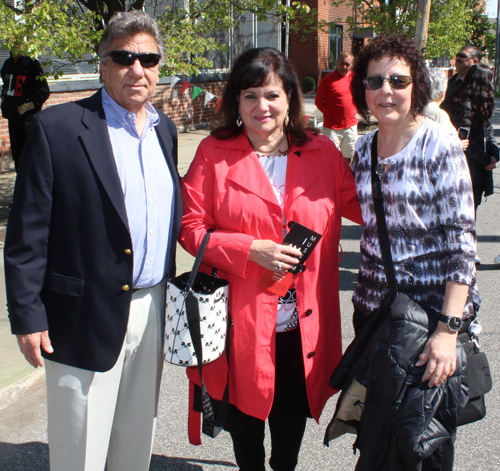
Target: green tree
452 23
48 27
68 29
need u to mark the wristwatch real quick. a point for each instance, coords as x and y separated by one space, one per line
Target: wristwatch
453 323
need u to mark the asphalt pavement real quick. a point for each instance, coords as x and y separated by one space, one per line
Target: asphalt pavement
23 437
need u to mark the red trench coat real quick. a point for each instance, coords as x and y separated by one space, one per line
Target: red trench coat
227 189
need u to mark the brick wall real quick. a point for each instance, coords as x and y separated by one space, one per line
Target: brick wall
310 57
187 114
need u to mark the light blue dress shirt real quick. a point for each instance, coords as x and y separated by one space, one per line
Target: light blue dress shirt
148 189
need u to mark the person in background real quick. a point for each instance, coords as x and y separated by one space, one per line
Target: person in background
471 106
464 60
428 202
259 172
24 91
90 241
334 100
432 110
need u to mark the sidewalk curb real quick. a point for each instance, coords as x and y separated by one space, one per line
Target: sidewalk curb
22 388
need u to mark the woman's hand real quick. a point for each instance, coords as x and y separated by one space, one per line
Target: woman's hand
492 165
464 143
270 255
440 354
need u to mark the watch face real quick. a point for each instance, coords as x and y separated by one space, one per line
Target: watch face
454 323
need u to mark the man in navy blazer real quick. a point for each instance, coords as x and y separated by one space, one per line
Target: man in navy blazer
90 241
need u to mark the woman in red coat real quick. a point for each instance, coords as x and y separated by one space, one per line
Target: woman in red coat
259 171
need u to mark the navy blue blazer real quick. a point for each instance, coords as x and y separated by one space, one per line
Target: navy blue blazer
68 249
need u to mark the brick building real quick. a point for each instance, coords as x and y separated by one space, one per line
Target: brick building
312 58
319 52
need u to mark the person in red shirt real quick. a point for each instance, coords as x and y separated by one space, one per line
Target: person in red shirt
334 100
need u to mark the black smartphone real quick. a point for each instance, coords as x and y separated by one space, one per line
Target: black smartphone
463 133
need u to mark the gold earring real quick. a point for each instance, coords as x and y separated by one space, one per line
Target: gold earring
287 119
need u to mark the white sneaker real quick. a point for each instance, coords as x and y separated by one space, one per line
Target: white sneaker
497 259
478 260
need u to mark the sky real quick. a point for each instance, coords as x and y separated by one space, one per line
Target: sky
491 8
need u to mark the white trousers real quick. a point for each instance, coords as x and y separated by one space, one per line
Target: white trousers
94 415
344 139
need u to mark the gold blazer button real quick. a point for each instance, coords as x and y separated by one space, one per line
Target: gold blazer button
125 287
128 251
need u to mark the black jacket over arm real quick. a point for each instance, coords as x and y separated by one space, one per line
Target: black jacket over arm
66 259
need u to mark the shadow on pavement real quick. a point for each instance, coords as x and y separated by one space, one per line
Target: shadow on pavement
162 463
33 456
351 232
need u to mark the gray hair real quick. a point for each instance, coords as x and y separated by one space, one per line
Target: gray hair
439 82
128 24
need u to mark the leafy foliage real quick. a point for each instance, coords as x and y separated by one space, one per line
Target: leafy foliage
191 28
48 27
452 23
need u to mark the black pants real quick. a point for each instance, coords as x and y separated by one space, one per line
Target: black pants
287 419
18 133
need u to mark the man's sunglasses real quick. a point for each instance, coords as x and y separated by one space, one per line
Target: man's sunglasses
462 55
398 82
127 58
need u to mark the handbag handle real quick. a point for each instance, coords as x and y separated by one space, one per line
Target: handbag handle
383 234
197 261
213 422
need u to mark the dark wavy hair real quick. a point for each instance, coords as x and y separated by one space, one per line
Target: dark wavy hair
254 68
476 90
392 47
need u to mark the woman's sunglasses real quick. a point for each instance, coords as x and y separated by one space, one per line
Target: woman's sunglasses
127 58
397 82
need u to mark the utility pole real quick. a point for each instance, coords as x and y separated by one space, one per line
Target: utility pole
422 23
497 52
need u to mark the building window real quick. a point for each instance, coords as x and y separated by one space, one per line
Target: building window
335 45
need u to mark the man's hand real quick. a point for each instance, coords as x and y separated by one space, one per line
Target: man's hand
440 354
21 109
30 346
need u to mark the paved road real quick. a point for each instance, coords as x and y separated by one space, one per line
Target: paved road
23 439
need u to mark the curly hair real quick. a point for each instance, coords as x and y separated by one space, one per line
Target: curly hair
475 91
391 47
254 68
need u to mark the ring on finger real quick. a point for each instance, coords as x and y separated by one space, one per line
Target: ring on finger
278 266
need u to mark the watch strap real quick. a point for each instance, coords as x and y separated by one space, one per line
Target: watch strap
451 322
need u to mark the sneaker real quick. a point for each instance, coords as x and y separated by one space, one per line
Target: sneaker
478 260
497 259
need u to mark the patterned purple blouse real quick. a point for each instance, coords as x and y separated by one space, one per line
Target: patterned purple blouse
429 210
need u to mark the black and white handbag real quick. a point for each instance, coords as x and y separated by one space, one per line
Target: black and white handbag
196 316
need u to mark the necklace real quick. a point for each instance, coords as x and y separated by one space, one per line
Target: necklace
382 167
271 153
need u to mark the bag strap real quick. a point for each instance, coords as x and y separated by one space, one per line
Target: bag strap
199 256
212 423
383 234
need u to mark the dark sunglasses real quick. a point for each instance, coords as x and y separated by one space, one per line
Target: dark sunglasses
127 58
398 82
462 55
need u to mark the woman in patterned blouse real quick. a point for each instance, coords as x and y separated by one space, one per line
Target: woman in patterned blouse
428 204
